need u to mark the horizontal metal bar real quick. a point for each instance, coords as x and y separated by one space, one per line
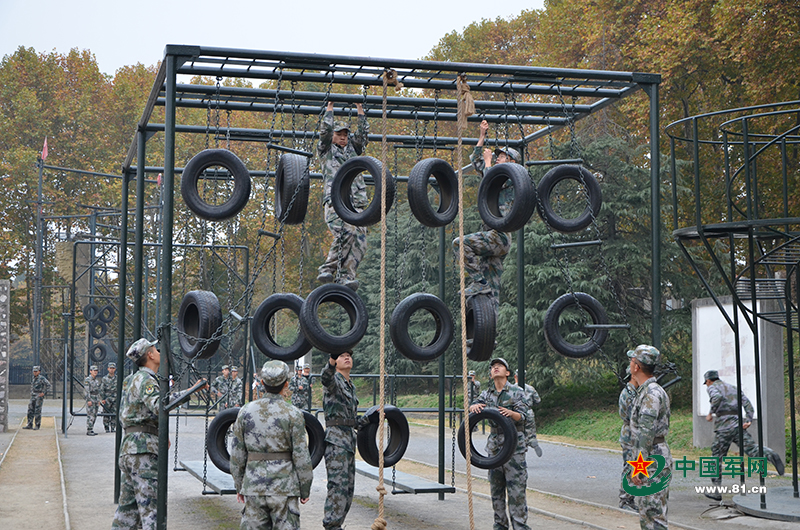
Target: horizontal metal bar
607 326
290 150
554 162
578 244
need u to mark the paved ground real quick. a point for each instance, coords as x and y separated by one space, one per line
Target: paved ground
589 476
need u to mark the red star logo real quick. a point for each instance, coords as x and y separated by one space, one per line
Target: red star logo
640 465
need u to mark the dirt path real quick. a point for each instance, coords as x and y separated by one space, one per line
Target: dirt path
30 481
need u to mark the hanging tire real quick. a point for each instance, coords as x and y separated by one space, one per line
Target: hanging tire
98 352
195 169
107 314
262 335
398 436
291 181
216 439
548 184
399 324
447 184
551 319
317 335
491 188
481 325
316 438
199 318
91 311
98 329
341 193
509 432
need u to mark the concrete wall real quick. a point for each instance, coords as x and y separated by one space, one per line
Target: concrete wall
5 338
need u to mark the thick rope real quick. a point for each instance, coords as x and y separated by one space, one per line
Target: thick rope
462 121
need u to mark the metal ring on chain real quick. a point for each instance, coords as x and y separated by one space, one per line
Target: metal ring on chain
584 303
196 168
291 188
199 317
342 196
262 334
549 183
400 323
497 185
446 187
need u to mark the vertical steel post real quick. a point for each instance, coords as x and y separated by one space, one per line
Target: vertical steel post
37 279
521 306
655 212
66 317
441 365
138 243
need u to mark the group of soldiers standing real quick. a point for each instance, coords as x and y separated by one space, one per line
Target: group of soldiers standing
228 388
101 393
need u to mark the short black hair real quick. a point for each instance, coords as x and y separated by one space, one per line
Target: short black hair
648 369
274 389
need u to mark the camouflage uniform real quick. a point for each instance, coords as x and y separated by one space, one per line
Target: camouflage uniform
625 402
532 398
39 385
138 460
340 405
649 429
725 404
474 390
301 391
235 395
271 483
350 242
108 393
92 391
512 477
222 385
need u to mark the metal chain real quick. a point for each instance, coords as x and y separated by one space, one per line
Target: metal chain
435 121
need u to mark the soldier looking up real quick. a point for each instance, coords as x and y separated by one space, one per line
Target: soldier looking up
40 386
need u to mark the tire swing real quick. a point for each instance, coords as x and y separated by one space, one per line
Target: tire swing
341 192
585 304
399 327
316 438
98 329
493 185
90 311
447 187
398 436
548 184
313 329
262 335
195 169
199 318
291 189
98 352
481 326
509 433
107 314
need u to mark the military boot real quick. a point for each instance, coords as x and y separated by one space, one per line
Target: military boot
28 426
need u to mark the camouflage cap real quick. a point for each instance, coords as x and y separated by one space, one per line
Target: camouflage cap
341 126
36 369
112 365
501 361
225 367
234 369
645 354
93 368
137 350
512 153
275 373
711 374
471 372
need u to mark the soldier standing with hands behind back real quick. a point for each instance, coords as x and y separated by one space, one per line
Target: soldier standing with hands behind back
39 387
108 391
92 391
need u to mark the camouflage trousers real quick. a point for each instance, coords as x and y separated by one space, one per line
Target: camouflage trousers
341 467
723 441
110 422
35 410
91 415
348 248
511 479
624 496
653 510
137 492
300 401
270 512
483 257
530 430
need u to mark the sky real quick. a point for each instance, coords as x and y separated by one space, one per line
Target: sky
125 33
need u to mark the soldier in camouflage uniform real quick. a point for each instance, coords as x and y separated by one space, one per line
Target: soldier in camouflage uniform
237 387
626 500
138 454
93 393
532 398
474 387
337 145
512 477
108 394
340 405
649 430
725 404
485 251
221 387
301 389
40 386
270 462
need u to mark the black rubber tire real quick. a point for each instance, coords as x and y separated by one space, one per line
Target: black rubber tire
399 435
342 199
481 327
316 333
548 184
292 173
509 439
558 342
398 327
107 314
489 194
215 439
262 335
316 438
447 183
91 311
98 329
241 184
199 317
98 352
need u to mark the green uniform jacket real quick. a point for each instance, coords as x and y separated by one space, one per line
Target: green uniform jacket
139 407
339 402
40 385
511 397
725 404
